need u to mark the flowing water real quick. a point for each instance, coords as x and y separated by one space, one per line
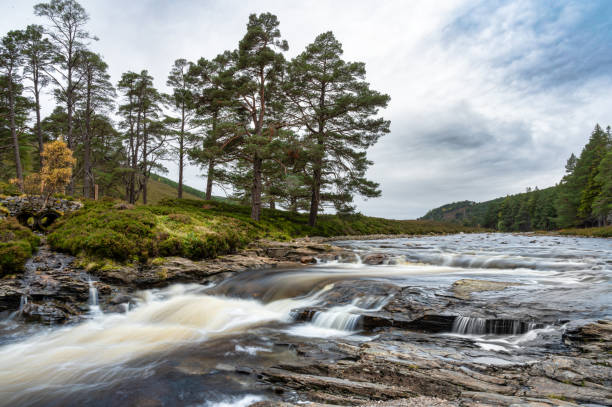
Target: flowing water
182 345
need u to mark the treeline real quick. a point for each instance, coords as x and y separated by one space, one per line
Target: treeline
583 198
276 132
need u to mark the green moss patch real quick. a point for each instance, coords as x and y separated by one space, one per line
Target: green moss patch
197 229
17 244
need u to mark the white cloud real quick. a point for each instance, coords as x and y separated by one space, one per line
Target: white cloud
485 99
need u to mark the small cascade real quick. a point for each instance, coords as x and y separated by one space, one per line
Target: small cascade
347 317
22 303
482 326
93 294
469 325
94 308
340 320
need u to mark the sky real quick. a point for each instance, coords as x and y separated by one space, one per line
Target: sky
487 97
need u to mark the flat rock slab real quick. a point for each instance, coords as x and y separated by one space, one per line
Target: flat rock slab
464 288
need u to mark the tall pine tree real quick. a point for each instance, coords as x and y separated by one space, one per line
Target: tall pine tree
338 111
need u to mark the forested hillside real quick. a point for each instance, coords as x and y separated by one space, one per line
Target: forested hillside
276 132
583 197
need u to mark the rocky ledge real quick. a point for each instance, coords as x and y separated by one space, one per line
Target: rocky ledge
54 290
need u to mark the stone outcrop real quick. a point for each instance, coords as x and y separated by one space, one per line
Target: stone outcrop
31 211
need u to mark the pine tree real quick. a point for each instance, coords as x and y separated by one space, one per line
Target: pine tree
219 114
66 31
11 61
568 197
182 101
259 68
38 53
587 169
22 108
338 111
145 134
97 96
602 204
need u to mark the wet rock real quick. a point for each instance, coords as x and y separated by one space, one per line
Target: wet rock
471 398
120 299
52 312
552 389
334 385
10 295
307 260
243 370
375 258
595 337
465 287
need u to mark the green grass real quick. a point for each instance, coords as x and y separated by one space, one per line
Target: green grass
203 229
188 192
158 191
604 231
17 244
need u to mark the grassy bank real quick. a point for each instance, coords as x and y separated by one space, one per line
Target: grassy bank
202 229
604 231
17 244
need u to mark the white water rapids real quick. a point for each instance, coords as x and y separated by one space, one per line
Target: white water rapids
109 349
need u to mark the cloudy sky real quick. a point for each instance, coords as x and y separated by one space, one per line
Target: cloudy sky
487 97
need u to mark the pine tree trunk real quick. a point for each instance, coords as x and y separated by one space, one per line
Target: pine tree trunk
211 162
256 189
38 128
144 190
87 168
87 146
18 168
209 179
315 198
69 108
181 153
145 153
272 204
293 205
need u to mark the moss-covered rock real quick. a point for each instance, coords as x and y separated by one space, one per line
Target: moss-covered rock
17 244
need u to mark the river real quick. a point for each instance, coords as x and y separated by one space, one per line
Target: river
204 345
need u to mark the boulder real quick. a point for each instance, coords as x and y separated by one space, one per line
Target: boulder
375 258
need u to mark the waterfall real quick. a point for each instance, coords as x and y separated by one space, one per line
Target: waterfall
22 303
340 320
93 298
93 294
482 326
469 325
347 317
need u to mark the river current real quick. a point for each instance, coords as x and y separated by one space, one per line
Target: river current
195 345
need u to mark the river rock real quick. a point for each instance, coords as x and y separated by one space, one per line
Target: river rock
465 287
375 258
593 337
10 294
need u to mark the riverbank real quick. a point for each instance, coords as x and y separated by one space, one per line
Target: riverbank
603 231
199 230
459 320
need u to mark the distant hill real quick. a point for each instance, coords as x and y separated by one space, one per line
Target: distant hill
520 212
161 188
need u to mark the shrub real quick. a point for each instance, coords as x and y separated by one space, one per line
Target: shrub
17 244
9 189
